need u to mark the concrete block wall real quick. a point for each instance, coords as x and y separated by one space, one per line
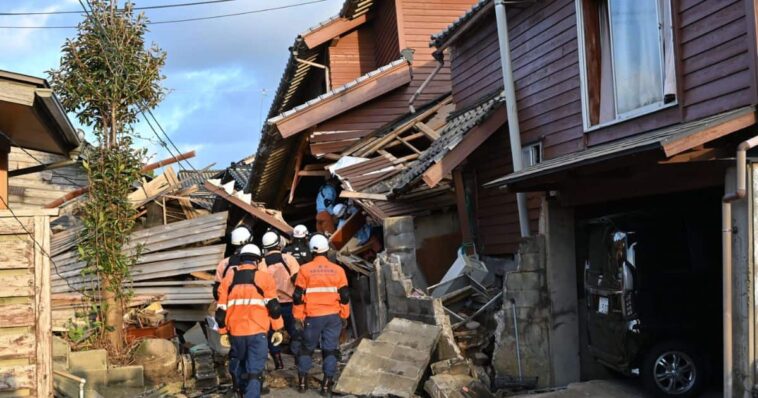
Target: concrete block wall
526 293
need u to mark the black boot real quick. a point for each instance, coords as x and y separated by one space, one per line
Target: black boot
326 386
302 382
278 363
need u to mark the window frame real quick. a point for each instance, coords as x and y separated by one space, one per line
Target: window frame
531 146
584 89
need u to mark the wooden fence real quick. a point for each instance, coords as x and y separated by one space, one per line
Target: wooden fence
25 307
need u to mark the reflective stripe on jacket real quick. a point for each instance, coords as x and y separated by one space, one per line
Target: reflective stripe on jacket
246 312
321 280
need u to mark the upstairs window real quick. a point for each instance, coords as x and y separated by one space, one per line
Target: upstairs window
627 53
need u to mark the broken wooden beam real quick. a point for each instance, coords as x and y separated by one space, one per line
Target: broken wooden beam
263 214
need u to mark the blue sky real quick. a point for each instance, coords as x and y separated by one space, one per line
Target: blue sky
216 69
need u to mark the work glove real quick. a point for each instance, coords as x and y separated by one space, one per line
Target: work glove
299 325
276 338
225 341
344 323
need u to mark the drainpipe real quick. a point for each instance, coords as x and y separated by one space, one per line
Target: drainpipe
74 378
726 245
511 108
440 57
315 65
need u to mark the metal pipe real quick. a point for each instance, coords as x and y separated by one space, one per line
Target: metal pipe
511 108
726 249
82 381
320 66
518 344
440 57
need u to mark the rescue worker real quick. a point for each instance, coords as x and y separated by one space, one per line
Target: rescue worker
325 201
299 246
321 300
239 237
284 268
247 309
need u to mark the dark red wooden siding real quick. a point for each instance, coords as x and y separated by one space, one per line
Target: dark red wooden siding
352 56
712 51
418 20
496 217
385 26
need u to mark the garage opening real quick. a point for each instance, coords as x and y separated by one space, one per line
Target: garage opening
649 287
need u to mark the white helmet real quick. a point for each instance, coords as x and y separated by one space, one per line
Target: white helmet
319 244
270 239
240 236
339 210
250 252
300 231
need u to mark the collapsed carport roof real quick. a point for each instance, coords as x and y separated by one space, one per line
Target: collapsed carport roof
670 140
31 116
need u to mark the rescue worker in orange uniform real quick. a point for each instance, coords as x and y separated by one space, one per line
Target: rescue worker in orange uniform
284 268
239 237
321 309
247 309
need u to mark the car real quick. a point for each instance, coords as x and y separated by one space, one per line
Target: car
652 287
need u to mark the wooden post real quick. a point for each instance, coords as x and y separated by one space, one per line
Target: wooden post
43 310
460 199
5 150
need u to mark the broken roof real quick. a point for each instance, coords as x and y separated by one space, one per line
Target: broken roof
382 87
456 128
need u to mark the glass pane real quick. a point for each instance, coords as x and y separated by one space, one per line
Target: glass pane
636 53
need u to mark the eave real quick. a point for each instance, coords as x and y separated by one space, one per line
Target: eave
334 28
343 98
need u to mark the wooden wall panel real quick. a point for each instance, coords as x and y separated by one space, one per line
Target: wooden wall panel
496 224
419 19
385 28
352 56
35 190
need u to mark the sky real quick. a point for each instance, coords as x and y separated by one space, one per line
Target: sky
221 74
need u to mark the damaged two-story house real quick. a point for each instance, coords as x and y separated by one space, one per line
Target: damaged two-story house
628 117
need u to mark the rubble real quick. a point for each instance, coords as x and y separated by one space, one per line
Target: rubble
159 358
393 364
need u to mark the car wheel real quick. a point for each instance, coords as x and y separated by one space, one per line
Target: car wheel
674 369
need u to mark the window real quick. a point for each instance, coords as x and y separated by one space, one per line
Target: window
628 58
531 154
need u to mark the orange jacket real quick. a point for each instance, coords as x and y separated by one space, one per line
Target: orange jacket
246 309
282 272
321 289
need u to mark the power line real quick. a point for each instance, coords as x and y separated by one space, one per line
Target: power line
160 6
174 21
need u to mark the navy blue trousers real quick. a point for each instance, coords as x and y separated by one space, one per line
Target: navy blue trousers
247 360
289 326
323 331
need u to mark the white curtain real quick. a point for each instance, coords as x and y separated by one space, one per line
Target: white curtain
637 62
669 82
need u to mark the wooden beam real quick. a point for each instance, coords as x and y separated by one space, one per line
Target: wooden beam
4 178
41 167
263 214
42 302
362 195
698 155
296 177
673 147
332 30
460 201
341 236
470 142
313 173
431 133
345 100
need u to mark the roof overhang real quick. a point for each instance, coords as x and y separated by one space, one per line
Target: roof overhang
31 116
331 29
344 98
669 141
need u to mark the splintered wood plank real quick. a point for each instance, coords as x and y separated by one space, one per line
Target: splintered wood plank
427 130
341 236
12 226
270 217
16 252
17 377
16 284
17 344
17 315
